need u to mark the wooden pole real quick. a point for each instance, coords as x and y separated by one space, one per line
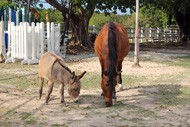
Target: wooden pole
136 57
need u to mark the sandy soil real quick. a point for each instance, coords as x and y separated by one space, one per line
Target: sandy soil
139 105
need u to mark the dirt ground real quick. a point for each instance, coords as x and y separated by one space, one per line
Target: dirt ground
141 105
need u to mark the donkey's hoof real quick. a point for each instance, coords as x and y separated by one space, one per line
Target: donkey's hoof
64 103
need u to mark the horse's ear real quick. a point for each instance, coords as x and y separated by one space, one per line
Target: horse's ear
80 76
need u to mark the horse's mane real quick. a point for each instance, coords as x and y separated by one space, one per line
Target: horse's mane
112 44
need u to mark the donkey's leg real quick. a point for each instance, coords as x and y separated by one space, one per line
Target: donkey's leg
62 93
119 77
50 85
41 82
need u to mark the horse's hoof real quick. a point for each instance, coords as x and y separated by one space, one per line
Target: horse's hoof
120 87
114 99
76 101
108 104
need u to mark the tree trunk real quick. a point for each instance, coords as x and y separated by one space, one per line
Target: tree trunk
79 20
79 26
183 20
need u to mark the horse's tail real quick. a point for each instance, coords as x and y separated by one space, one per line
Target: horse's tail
112 44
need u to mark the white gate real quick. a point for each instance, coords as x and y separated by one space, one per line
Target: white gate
26 42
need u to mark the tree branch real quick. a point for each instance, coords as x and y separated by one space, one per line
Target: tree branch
58 6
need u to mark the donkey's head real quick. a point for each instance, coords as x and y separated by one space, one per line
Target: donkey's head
74 86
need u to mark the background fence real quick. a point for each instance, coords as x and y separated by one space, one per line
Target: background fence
168 34
155 34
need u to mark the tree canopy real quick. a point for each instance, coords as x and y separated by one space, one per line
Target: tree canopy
154 13
79 12
177 9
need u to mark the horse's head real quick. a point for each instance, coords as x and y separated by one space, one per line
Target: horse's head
108 86
74 86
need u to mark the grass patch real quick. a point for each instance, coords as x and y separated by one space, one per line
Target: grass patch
91 81
141 111
18 75
135 120
173 95
59 125
28 118
133 80
19 82
181 61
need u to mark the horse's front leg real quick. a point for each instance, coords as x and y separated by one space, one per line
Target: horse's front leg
114 95
119 76
62 93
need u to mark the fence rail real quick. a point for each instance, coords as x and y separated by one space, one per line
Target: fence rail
150 34
155 34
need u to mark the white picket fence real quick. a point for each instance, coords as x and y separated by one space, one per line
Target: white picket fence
28 43
2 39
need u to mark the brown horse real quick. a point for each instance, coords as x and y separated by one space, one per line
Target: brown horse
53 69
111 47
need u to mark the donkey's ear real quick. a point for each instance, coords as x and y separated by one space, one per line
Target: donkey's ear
80 76
73 75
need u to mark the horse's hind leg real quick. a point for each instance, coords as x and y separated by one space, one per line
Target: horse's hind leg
41 82
50 85
119 78
62 93
102 71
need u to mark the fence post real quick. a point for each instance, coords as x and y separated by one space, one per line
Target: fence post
150 33
13 40
57 38
141 34
42 38
48 36
158 34
11 44
22 39
2 42
38 39
26 42
33 44
94 29
9 41
52 37
132 34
